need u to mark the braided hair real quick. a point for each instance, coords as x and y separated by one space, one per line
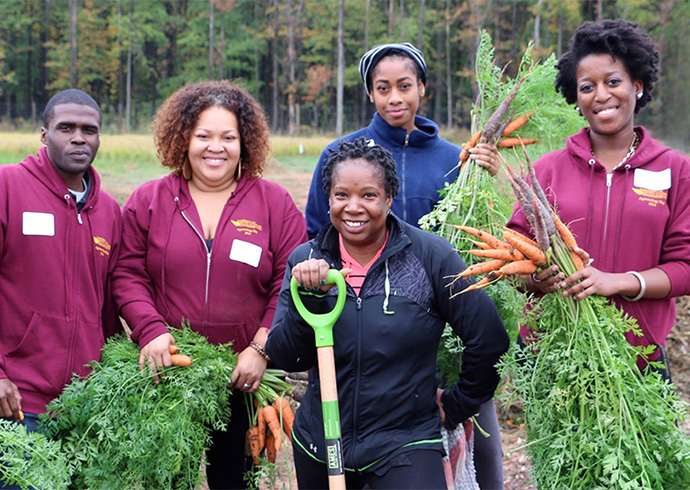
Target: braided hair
363 149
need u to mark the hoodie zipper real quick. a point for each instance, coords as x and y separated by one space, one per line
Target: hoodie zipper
357 382
402 175
609 180
208 254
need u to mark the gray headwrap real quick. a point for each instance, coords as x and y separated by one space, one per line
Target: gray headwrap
374 55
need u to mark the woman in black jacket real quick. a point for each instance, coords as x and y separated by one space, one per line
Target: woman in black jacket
400 295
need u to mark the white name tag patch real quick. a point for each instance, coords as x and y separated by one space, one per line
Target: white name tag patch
245 252
654 181
38 224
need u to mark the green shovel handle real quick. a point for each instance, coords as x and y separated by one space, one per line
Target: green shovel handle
322 323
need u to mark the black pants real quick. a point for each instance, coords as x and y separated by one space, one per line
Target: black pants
226 460
411 470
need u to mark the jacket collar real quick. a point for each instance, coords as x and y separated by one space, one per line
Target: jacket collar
580 148
386 135
326 240
41 167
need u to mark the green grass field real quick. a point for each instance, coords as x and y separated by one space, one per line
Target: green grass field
126 161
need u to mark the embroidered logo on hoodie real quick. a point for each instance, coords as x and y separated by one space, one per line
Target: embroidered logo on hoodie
247 226
101 245
652 198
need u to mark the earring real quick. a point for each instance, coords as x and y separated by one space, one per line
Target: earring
577 109
639 95
187 170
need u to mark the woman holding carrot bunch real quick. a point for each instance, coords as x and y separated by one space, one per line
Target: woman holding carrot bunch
398 301
395 78
625 196
207 246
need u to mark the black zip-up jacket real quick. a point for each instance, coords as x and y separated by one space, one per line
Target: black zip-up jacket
385 346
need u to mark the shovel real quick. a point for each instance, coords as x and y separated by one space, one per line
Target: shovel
323 329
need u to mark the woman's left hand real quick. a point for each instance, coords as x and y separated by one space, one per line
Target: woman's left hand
486 156
590 281
249 371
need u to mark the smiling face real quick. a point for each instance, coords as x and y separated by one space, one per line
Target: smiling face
396 91
606 94
72 139
214 149
359 205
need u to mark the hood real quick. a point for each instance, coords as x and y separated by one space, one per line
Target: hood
40 167
580 147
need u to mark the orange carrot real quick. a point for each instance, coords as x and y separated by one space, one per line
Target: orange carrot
519 236
511 142
180 360
173 349
565 233
517 123
487 238
485 281
535 254
577 260
471 143
252 443
482 245
507 255
282 405
261 424
21 415
518 267
271 451
482 268
273 423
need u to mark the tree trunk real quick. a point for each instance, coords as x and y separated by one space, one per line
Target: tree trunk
449 86
341 70
73 72
402 21
29 98
365 100
221 52
292 117
211 29
128 100
120 70
537 25
559 46
274 122
45 37
391 9
420 30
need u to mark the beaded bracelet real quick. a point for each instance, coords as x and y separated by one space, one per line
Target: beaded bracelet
643 287
260 350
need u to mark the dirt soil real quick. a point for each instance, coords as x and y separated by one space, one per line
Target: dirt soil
516 464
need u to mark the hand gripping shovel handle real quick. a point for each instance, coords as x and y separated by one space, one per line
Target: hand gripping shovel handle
323 330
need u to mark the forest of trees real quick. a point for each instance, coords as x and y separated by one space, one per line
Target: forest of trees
299 57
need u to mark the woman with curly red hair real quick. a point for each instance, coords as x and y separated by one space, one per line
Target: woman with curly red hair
207 246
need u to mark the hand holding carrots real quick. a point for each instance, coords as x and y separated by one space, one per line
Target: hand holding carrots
10 400
155 354
486 155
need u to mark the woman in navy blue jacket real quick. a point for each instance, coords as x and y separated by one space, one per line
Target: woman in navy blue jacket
386 340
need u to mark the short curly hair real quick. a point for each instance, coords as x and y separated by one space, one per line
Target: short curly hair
363 149
619 38
175 120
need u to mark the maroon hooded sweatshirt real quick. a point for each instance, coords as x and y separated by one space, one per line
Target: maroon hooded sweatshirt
635 218
55 265
166 274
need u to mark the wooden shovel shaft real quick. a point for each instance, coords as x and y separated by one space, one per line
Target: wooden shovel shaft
331 418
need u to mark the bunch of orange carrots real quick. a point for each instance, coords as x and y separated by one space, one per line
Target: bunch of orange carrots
271 415
518 254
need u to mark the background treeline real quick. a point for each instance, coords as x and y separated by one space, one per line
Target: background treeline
299 57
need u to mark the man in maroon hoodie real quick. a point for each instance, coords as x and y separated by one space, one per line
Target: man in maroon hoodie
59 237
